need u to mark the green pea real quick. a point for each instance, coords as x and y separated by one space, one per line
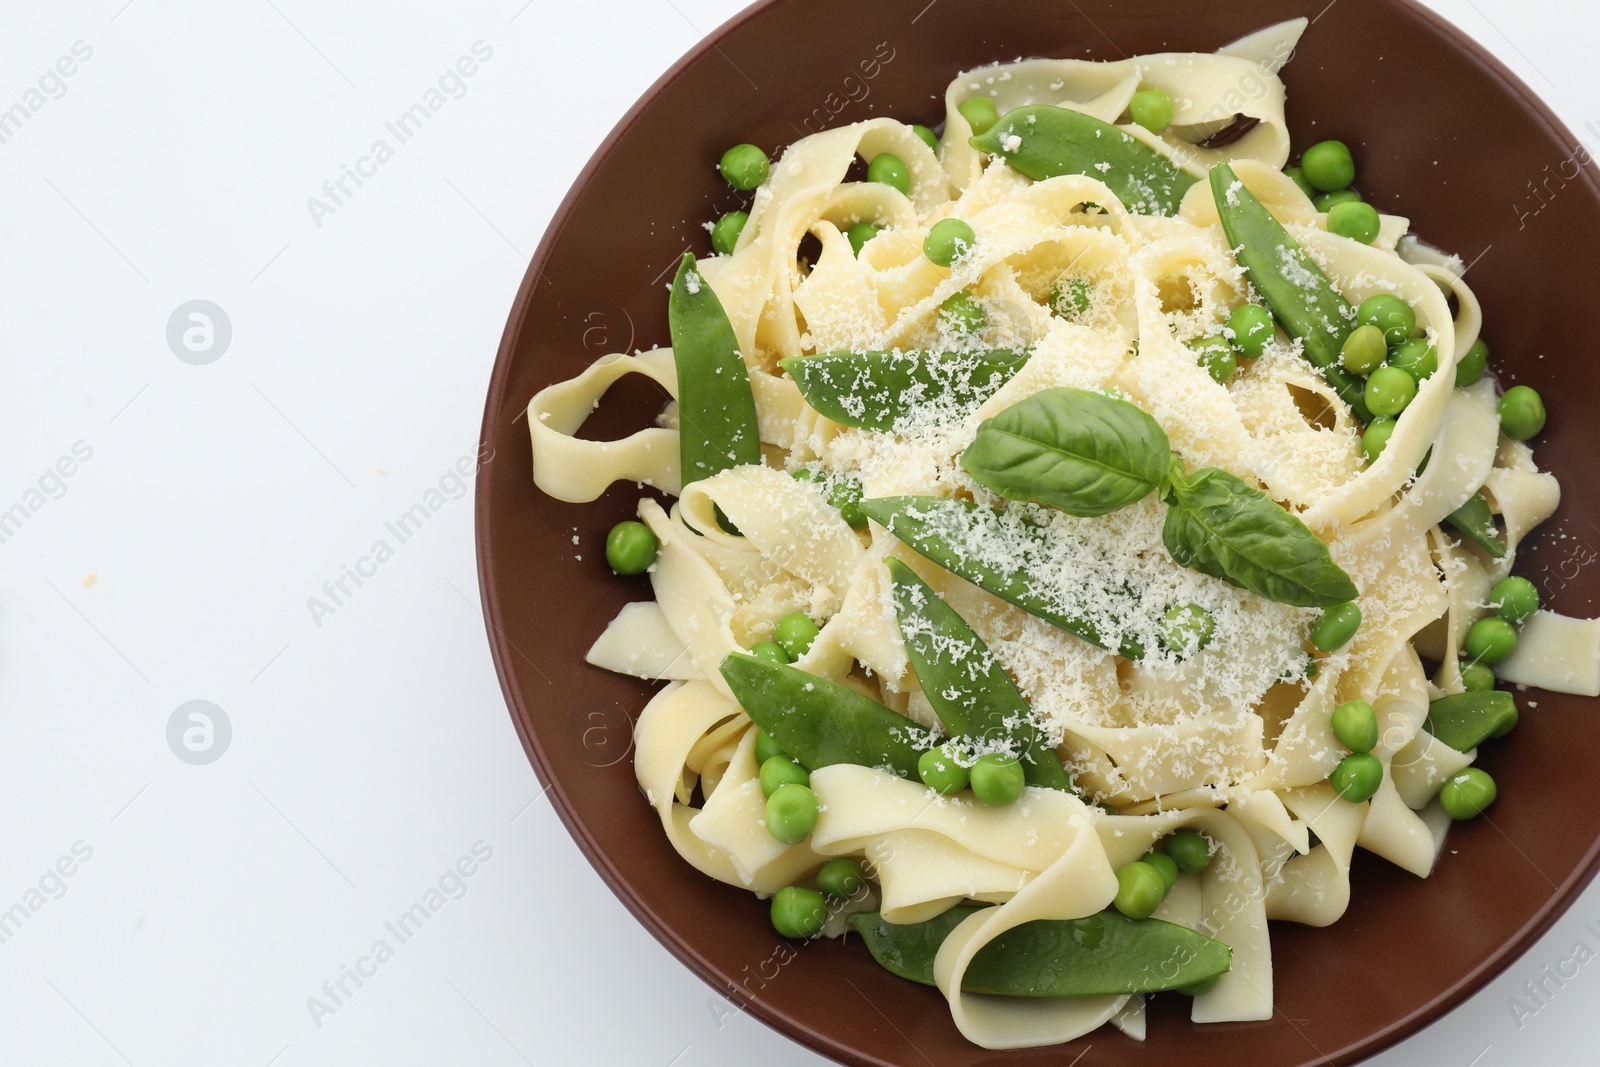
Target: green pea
1215 354
1376 437
1416 357
1326 202
1328 166
846 495
860 234
940 772
962 313
1190 850
1357 777
980 114
1152 109
1355 724
631 547
1390 314
1187 628
841 878
744 166
1467 794
1250 327
770 651
725 234
1298 176
780 771
997 779
1336 627
798 912
929 138
1389 390
766 747
1364 350
889 169
1477 677
795 632
1140 890
1354 220
1514 598
947 241
791 813
1521 413
1473 363
1163 863
1071 299
1491 640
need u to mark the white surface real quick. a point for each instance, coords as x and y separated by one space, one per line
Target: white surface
371 752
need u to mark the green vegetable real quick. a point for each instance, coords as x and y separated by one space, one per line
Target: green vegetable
859 234
1354 220
766 747
798 912
939 528
1357 777
1040 141
997 779
1521 413
1355 724
1140 890
1298 176
889 169
770 651
1164 864
947 241
1190 850
1390 314
1326 202
792 813
1466 720
820 722
1187 628
1476 677
962 313
1416 357
940 771
841 878
744 166
1375 438
929 138
1215 354
1083 452
980 113
1250 326
1104 954
716 411
725 234
1336 627
1221 526
779 771
1152 109
1514 598
631 547
1364 350
794 634
1328 166
1491 640
967 686
1475 522
1072 299
1466 795
873 390
1470 367
1389 391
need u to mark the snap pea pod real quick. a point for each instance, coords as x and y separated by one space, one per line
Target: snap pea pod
1040 141
716 410
967 686
1105 954
936 527
820 722
1474 521
1466 720
875 390
1300 295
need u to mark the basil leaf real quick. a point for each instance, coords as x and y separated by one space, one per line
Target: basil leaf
875 390
1221 526
717 426
1466 720
948 531
967 686
1475 522
1083 452
1300 296
1040 141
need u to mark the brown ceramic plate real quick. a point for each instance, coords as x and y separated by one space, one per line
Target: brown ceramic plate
1443 134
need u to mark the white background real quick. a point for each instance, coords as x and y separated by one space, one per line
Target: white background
369 753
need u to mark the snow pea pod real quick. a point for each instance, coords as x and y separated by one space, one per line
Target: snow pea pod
1300 295
1466 720
1474 521
939 529
1040 141
820 722
716 410
1105 954
875 390
967 686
